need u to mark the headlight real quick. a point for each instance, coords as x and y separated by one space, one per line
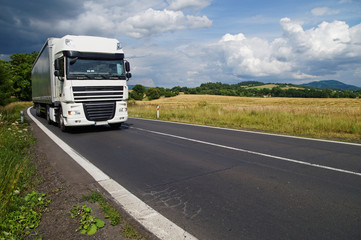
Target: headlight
74 112
122 109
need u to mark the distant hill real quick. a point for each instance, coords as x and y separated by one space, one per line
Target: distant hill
331 84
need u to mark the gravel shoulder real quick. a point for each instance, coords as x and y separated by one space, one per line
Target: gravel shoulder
65 183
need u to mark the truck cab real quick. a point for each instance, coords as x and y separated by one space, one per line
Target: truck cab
81 81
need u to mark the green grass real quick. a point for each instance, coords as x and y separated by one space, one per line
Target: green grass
20 207
337 119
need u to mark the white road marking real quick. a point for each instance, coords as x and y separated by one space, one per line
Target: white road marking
251 152
156 223
253 132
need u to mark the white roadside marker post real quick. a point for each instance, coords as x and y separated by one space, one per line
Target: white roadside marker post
22 116
157 111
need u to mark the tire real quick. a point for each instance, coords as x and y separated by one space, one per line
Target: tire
48 114
37 110
60 120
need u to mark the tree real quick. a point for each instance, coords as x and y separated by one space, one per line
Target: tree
153 93
138 92
6 89
20 68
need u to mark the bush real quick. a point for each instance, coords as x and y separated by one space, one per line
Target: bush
138 92
153 93
5 84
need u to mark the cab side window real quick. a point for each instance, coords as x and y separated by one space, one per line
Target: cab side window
61 67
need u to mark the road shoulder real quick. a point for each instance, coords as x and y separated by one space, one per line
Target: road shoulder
66 183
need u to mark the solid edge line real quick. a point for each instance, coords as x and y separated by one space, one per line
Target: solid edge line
247 131
252 152
153 221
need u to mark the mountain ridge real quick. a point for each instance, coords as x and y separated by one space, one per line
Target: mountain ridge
331 84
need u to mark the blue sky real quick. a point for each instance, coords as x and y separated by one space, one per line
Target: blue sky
189 42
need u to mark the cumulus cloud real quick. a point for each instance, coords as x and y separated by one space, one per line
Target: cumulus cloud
154 21
331 50
253 56
111 18
187 4
297 54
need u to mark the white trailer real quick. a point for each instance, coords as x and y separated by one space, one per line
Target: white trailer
81 81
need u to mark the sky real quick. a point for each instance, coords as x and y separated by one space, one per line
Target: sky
188 42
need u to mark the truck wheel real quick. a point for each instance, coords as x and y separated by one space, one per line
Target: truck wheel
60 121
63 128
48 114
37 110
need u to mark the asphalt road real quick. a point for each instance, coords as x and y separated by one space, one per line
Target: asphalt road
223 184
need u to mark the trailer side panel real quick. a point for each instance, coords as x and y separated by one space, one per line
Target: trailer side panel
41 77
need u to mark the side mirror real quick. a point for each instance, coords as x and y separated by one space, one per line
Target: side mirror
128 75
57 73
127 66
57 65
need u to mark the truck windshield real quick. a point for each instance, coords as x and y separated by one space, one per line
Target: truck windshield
95 69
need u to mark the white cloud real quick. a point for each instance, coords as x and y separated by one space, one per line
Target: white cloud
325 41
186 4
252 56
327 48
154 21
331 50
321 11
119 18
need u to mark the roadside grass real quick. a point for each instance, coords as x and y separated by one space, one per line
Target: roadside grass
20 207
335 119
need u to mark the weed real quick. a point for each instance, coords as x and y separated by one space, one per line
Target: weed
130 232
88 224
109 211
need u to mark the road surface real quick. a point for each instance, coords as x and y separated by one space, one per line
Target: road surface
223 184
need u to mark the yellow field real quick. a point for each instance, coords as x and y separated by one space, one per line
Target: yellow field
270 86
337 119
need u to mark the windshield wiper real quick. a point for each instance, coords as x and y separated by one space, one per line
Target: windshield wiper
114 76
79 76
99 76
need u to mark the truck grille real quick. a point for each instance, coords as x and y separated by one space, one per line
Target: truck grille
100 111
98 93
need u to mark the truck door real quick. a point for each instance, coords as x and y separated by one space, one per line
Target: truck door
60 74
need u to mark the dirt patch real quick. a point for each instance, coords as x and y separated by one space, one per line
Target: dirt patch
56 222
65 183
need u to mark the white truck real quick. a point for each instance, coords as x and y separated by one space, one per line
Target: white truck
81 81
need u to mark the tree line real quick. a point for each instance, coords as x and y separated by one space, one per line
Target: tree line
15 77
243 89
